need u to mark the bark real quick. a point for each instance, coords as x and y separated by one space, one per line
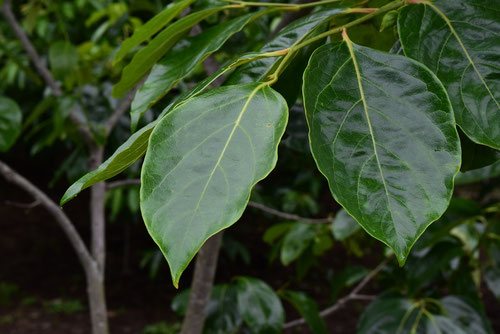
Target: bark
201 287
97 302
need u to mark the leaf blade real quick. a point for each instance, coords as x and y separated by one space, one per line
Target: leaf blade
10 123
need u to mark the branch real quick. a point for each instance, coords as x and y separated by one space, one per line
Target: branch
122 183
122 107
64 222
41 68
353 295
289 216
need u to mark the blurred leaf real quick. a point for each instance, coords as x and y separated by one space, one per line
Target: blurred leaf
151 27
344 225
295 242
478 175
63 59
10 123
259 306
346 278
276 231
308 309
492 279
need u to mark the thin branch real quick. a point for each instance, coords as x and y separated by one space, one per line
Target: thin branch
64 222
289 216
122 183
122 107
41 68
353 295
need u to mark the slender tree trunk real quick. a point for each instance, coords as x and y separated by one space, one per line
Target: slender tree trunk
95 279
201 287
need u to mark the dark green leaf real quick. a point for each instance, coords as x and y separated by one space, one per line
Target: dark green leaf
259 306
387 315
460 42
63 58
180 62
144 60
143 33
203 159
475 156
308 310
295 242
343 226
367 113
478 175
10 123
459 317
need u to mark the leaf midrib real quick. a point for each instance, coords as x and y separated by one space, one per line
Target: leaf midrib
368 120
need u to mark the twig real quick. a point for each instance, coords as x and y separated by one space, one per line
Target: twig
353 295
122 183
42 68
64 222
122 107
289 216
26 206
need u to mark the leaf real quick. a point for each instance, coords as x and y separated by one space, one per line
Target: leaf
343 226
460 317
144 60
10 123
475 156
151 27
133 149
63 58
296 241
203 159
460 42
308 309
259 306
383 134
387 315
180 62
292 34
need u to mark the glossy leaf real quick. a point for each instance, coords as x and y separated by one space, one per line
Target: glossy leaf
382 132
259 306
134 148
308 309
151 27
10 123
144 60
180 62
203 160
343 226
460 42
292 34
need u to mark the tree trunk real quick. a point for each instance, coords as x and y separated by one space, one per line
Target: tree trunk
201 287
97 302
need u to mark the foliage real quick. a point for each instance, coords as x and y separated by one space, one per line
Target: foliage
387 131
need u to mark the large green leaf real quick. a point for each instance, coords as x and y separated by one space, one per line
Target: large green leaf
135 147
144 60
180 62
460 41
10 123
143 33
259 306
203 159
293 34
382 132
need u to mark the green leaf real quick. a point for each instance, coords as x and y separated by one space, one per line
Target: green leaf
460 42
475 156
155 24
134 148
293 34
180 62
128 153
343 226
203 159
63 58
459 317
296 241
259 306
367 113
144 60
387 315
308 309
10 123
